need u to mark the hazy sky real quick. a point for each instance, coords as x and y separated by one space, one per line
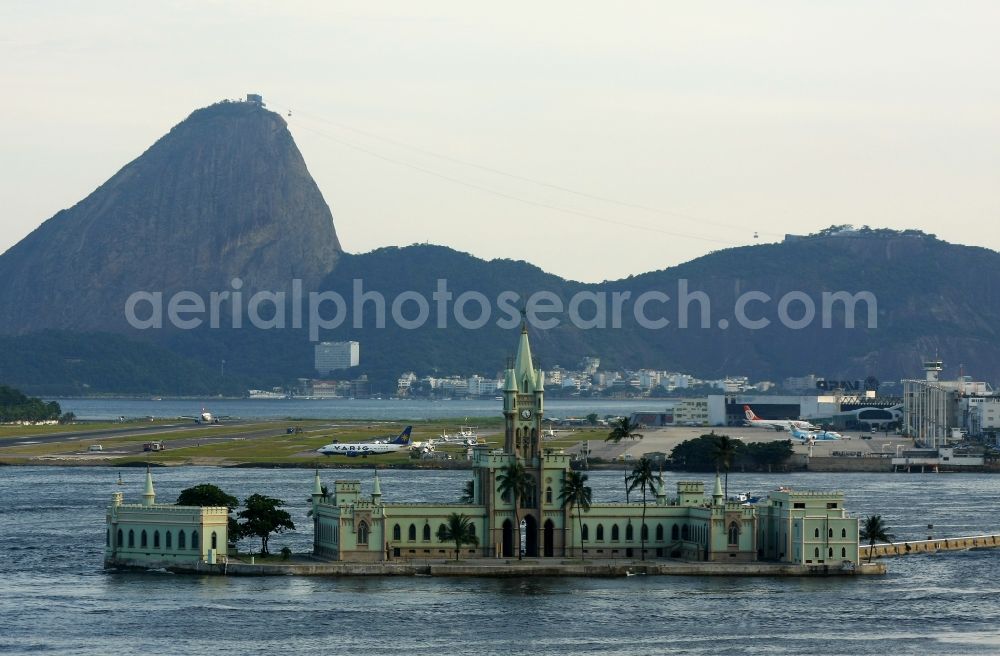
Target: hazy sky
704 122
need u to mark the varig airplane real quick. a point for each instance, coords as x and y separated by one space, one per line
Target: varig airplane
365 449
776 424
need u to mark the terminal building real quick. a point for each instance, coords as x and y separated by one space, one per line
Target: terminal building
939 412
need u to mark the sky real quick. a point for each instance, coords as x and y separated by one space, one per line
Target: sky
594 139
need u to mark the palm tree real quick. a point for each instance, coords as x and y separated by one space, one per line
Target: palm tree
874 530
458 529
623 429
516 483
724 449
468 492
644 478
576 492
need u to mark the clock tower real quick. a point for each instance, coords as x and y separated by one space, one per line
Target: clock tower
522 405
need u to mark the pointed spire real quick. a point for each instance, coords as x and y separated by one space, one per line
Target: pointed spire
148 495
317 485
524 371
717 492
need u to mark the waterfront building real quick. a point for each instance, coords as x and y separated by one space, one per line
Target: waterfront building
352 526
807 528
150 534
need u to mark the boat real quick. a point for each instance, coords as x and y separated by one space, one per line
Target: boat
120 481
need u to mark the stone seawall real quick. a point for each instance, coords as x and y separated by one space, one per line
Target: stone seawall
830 464
503 568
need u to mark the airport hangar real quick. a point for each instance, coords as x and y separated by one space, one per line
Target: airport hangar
839 411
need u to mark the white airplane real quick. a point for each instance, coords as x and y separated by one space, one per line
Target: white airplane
466 435
814 436
205 417
365 449
776 424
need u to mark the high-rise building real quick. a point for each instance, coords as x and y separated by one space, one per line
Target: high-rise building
331 356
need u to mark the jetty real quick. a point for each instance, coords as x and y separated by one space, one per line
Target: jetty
913 547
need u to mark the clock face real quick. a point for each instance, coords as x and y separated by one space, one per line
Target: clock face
526 414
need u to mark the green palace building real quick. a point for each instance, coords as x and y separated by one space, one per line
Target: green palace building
804 528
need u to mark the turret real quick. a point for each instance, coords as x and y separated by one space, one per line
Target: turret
661 492
717 492
377 490
148 494
317 493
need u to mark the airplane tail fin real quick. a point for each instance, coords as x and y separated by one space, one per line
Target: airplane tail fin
404 437
749 413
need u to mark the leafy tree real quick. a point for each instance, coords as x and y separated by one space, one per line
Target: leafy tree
764 455
206 494
592 419
875 530
263 516
209 495
515 482
695 455
724 451
15 406
623 429
576 493
458 529
468 492
645 479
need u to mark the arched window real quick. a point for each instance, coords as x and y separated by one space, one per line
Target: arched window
685 532
215 540
831 535
548 494
472 528
734 533
143 540
843 532
645 532
831 552
674 532
121 538
659 532
843 552
170 542
600 532
397 534
628 532
412 537
584 533
427 532
816 533
156 539
441 529
362 533
614 532
194 540
816 552
181 540
131 538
